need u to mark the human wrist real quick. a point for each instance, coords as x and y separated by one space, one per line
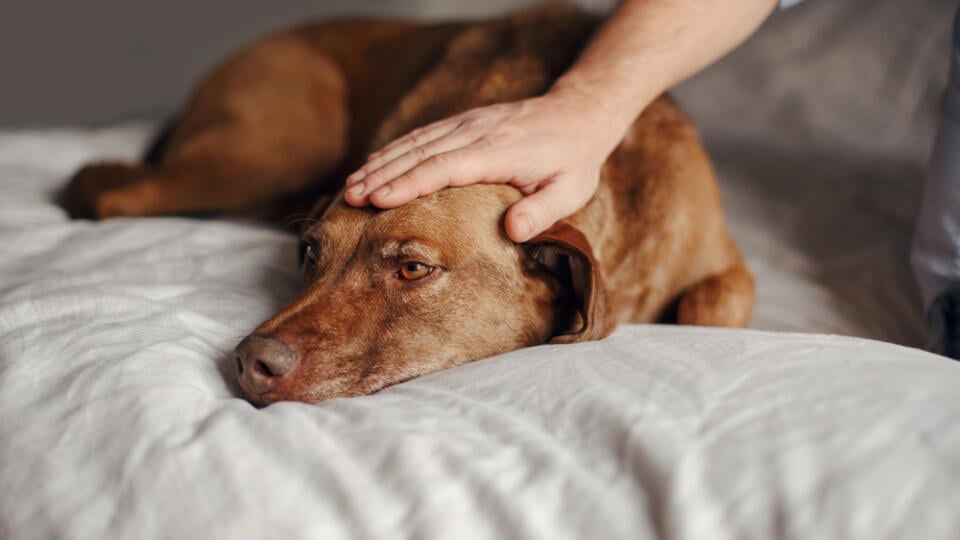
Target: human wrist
601 111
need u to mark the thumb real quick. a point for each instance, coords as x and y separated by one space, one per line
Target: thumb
536 212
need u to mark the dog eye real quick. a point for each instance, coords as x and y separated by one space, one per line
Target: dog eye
308 252
412 271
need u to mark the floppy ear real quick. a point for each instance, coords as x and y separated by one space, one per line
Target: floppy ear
565 252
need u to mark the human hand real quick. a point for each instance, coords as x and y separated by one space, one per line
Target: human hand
548 147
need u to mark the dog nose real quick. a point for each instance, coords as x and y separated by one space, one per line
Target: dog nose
262 362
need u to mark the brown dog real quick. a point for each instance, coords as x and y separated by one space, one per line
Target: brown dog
390 295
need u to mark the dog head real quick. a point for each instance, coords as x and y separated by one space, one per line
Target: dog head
390 295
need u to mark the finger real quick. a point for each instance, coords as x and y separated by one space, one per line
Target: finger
417 137
413 158
536 212
398 147
458 167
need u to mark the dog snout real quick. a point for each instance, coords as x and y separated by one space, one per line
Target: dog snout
262 362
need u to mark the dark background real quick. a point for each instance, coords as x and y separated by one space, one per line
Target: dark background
101 61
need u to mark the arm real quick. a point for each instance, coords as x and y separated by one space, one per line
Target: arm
552 147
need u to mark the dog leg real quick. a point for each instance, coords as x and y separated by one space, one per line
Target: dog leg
723 299
270 123
222 170
88 184
219 177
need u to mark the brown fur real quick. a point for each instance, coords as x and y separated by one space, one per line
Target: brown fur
292 113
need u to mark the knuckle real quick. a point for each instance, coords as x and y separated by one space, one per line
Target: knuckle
502 137
471 121
374 179
417 136
420 153
439 161
487 142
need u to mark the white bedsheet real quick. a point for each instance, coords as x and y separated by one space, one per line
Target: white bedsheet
119 417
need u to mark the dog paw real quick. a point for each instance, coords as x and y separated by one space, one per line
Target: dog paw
90 192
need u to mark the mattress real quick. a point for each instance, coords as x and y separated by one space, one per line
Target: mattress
119 416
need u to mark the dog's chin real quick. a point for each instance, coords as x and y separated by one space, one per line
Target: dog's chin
310 397
319 393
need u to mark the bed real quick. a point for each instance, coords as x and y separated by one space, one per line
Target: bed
119 417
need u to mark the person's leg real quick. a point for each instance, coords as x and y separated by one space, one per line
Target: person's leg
936 246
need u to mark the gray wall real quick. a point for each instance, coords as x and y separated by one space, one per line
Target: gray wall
100 61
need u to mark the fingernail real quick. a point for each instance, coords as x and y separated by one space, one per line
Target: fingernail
383 192
356 177
357 189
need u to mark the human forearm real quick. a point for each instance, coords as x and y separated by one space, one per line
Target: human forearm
646 47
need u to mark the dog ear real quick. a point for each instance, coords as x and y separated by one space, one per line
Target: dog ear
565 252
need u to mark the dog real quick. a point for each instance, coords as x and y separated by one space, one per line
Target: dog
389 295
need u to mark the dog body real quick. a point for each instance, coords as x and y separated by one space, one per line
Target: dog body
390 295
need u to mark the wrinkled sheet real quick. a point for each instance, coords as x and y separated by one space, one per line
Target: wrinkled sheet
119 417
